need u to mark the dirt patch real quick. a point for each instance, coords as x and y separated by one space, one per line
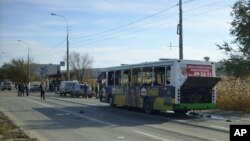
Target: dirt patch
9 131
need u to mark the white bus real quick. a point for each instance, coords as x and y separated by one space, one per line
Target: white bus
170 84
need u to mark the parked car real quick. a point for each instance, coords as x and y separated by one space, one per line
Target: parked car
6 85
66 87
35 88
79 91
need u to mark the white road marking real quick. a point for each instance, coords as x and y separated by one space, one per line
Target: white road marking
121 137
149 135
66 111
89 104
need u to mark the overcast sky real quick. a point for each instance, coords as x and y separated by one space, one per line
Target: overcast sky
122 31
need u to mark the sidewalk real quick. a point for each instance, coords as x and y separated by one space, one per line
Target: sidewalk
10 132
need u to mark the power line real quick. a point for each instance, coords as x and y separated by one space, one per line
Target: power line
208 11
115 35
119 35
125 25
133 22
207 5
118 30
51 49
187 1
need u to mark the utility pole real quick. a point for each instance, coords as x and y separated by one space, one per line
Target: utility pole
28 68
68 75
179 31
54 14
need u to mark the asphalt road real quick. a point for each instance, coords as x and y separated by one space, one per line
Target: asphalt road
78 119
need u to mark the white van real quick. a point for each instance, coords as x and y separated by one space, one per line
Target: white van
66 87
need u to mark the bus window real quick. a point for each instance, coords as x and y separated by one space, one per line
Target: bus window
147 76
126 77
159 76
118 78
168 75
110 78
101 78
136 78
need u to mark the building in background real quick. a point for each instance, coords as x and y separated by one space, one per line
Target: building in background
44 71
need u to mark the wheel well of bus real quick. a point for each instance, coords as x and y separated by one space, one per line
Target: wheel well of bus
109 96
151 99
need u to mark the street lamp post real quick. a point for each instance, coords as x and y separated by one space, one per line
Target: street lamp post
28 61
53 14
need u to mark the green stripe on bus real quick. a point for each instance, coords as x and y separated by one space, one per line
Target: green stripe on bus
195 106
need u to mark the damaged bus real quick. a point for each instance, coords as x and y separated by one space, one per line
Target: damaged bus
169 84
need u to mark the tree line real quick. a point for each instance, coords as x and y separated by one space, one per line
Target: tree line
17 70
238 51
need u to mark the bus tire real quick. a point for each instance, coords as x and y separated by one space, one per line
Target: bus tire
100 98
147 106
111 101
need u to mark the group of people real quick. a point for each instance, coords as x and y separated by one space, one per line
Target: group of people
22 88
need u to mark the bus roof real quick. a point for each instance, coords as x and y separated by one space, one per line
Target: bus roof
162 62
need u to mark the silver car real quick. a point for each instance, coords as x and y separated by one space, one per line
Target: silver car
78 91
66 87
35 88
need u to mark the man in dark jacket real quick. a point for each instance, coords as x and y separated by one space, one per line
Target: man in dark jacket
19 91
26 87
42 88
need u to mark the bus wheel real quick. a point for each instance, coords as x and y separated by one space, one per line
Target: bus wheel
148 106
111 101
100 98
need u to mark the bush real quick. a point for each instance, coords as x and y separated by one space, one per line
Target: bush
233 95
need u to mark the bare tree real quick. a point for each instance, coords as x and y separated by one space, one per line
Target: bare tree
79 64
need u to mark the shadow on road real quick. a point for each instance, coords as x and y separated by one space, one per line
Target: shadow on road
86 116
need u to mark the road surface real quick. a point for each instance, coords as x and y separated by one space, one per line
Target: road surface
64 119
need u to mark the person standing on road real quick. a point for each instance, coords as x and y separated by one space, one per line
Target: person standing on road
96 91
19 91
26 87
22 89
42 89
85 89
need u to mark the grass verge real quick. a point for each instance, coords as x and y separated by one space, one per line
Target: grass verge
9 131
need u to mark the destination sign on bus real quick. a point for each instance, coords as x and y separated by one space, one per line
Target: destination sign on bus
199 70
